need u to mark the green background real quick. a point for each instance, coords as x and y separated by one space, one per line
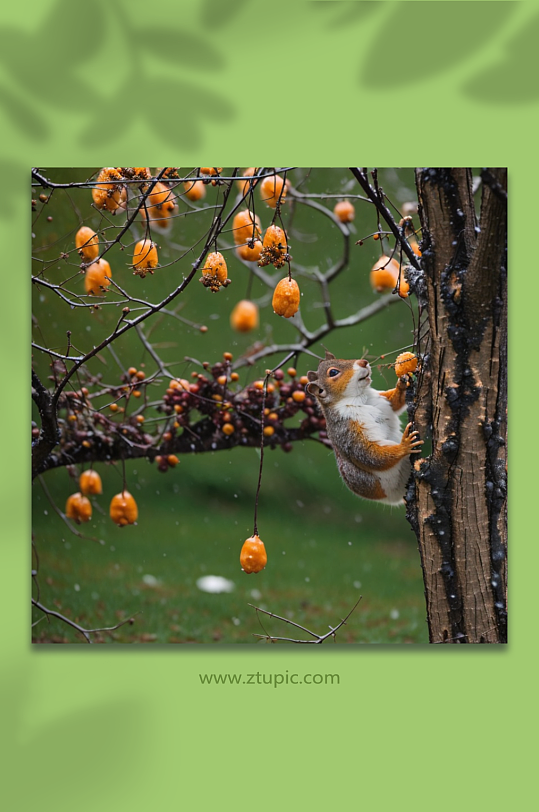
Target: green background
302 84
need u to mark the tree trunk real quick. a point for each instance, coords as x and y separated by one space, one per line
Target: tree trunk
457 501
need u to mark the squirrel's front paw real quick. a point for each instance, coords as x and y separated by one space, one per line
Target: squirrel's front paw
404 382
410 440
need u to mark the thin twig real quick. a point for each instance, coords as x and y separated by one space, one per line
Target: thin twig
85 632
318 638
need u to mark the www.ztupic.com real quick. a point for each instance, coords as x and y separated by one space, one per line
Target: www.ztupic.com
276 680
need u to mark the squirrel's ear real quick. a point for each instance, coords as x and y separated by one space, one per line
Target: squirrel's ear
312 376
329 356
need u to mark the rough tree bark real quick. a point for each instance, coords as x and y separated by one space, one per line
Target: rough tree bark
457 499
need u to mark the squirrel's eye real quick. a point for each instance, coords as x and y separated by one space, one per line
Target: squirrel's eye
333 372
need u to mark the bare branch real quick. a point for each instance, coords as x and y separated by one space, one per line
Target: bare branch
378 200
318 638
85 632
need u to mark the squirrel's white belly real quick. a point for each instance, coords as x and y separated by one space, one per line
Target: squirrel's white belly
381 425
393 481
380 422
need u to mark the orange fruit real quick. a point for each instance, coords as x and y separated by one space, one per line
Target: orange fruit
210 170
94 278
162 218
214 272
246 226
272 189
244 316
404 287
345 211
194 189
110 196
275 238
245 184
161 197
249 254
253 556
79 508
145 257
384 274
415 247
170 172
87 243
286 298
275 247
123 509
406 363
90 482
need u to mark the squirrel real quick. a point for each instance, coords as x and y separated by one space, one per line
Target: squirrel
363 427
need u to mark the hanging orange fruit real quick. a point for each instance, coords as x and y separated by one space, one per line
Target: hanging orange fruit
274 248
79 508
87 243
145 257
194 189
90 482
253 556
244 185
123 509
109 195
246 226
214 272
161 197
244 316
345 211
168 173
384 274
211 170
272 190
286 298
405 364
94 278
404 287
162 218
250 253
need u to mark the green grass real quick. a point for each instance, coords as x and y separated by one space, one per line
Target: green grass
323 553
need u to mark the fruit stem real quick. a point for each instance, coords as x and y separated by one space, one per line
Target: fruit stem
255 530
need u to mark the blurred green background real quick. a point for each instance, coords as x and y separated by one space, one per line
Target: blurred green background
326 547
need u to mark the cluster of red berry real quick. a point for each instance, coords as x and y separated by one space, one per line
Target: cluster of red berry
237 412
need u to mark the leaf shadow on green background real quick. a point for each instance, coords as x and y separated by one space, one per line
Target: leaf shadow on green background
220 12
197 102
345 12
11 172
26 117
512 80
412 46
178 46
119 752
161 63
54 82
